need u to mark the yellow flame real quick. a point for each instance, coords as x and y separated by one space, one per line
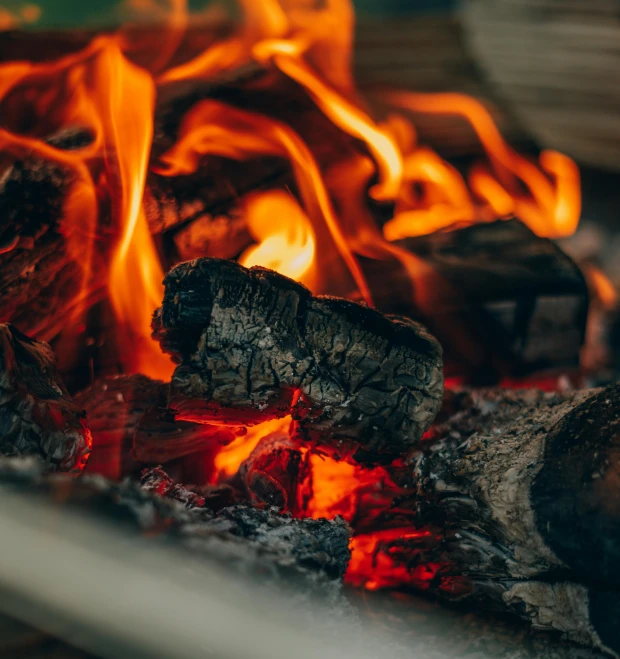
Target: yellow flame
284 233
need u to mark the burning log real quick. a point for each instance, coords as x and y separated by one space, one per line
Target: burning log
37 276
114 407
37 416
263 543
524 300
514 507
255 345
159 437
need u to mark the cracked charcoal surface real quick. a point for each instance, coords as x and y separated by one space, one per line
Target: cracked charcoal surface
248 340
37 415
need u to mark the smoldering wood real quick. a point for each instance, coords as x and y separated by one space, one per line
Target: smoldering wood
160 438
517 491
522 298
248 340
262 543
37 415
273 472
213 497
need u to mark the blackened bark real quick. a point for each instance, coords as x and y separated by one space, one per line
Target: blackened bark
250 341
576 493
37 415
131 427
516 493
37 276
159 437
273 472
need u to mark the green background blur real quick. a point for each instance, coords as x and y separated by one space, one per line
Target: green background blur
90 13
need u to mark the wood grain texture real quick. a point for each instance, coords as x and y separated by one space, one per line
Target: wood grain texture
37 415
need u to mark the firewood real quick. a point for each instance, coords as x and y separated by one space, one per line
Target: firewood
159 437
37 415
254 345
37 277
114 407
523 300
515 496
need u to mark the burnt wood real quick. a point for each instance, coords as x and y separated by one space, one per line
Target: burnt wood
254 345
520 297
517 493
273 471
37 415
114 406
160 438
37 277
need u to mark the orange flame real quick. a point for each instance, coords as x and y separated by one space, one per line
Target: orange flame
284 232
213 128
229 458
101 89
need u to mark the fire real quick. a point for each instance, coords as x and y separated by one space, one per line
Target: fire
230 457
286 241
312 233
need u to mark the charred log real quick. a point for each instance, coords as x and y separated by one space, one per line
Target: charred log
114 407
131 428
250 340
522 299
37 276
516 503
159 437
37 415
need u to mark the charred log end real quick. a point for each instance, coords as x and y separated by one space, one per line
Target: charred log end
37 416
250 340
576 494
160 437
114 407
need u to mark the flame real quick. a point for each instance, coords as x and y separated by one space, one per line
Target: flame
135 279
602 286
285 234
328 218
229 458
213 128
550 205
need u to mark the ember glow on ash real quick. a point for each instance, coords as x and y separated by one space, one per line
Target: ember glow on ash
103 90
